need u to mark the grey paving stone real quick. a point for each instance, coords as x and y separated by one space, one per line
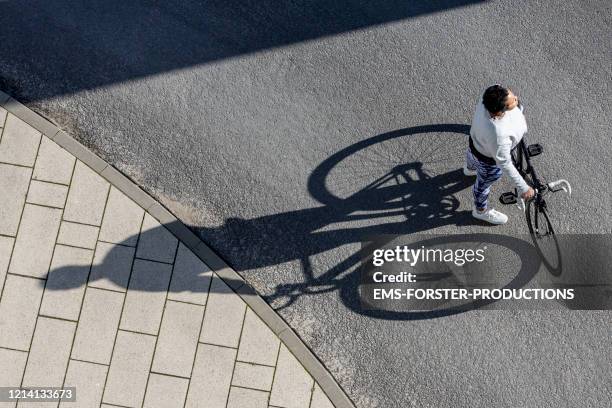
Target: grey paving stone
19 142
319 399
315 368
292 385
37 234
129 369
12 363
18 310
122 219
146 295
43 193
242 398
66 282
14 183
164 391
6 246
53 163
253 376
80 235
97 326
212 374
224 316
111 266
49 353
190 279
88 378
258 343
8 404
36 404
87 196
156 242
178 339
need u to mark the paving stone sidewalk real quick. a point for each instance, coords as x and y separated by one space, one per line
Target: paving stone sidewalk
97 294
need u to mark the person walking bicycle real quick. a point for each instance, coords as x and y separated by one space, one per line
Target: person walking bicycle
498 126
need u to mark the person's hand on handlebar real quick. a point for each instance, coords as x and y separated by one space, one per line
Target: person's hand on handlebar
528 195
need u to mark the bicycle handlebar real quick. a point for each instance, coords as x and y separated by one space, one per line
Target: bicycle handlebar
560 185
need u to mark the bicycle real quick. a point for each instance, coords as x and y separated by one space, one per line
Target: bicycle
536 214
535 209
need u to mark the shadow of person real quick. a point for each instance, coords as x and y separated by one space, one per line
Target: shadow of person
154 255
393 183
422 203
408 193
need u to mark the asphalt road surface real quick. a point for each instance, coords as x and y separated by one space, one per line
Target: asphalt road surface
287 132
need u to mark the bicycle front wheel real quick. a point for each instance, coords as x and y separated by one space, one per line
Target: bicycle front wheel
538 220
543 236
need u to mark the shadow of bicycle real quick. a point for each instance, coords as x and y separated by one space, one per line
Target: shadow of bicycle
396 183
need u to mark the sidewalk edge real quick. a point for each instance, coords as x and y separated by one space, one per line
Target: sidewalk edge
290 339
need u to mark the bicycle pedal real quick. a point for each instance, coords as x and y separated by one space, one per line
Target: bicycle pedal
534 149
507 198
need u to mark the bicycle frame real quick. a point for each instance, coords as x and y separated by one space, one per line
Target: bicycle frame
522 161
522 156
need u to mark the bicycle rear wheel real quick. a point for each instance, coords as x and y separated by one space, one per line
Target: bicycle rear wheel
543 236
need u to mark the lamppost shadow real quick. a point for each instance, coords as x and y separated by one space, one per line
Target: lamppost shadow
71 46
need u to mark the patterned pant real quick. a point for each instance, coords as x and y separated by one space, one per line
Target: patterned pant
487 174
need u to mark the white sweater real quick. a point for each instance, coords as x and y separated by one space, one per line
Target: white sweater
496 137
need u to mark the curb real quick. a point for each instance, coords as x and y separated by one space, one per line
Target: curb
280 328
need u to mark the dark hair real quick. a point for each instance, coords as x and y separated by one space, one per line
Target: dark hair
494 98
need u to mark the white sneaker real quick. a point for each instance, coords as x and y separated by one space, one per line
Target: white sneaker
469 172
491 216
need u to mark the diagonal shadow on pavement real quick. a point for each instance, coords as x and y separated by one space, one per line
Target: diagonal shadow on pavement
68 46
